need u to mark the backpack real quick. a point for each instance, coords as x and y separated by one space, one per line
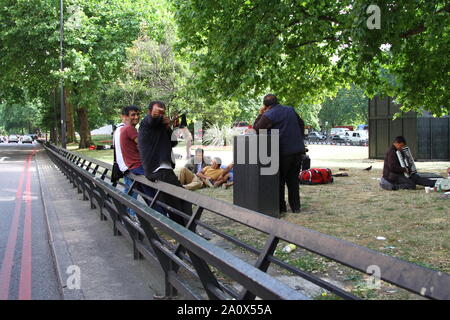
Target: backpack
315 176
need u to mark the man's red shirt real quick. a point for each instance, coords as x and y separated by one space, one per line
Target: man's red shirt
129 148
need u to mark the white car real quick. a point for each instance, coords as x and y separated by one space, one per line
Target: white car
27 139
13 138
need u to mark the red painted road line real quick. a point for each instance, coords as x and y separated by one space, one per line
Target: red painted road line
5 272
25 269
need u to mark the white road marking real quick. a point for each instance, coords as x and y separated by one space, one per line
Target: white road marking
7 199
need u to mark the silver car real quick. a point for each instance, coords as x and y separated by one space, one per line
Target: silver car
13 138
27 139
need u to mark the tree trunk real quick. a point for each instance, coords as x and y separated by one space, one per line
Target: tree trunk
85 133
53 136
54 132
70 135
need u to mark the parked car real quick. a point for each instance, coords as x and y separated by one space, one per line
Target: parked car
13 138
33 136
315 136
242 127
338 139
27 139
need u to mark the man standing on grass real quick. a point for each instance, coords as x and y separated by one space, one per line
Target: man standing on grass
283 118
155 146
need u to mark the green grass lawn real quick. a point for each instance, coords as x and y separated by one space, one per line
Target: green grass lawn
102 155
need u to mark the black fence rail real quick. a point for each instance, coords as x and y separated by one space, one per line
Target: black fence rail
342 142
197 268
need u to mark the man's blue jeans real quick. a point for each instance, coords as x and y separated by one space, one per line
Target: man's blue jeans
128 182
143 188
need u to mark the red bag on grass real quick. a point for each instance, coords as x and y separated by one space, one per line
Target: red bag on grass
315 176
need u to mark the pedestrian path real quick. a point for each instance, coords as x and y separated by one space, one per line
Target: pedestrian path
91 262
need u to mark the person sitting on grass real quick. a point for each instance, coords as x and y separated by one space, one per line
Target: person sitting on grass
207 176
394 174
198 162
226 178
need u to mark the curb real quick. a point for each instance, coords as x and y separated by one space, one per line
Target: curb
58 245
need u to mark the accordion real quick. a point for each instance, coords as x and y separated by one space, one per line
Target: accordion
406 161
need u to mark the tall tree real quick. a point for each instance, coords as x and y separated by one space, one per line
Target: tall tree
21 117
348 107
305 48
97 34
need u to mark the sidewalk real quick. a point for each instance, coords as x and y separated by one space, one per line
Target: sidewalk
78 238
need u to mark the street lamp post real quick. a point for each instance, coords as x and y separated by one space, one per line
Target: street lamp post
63 107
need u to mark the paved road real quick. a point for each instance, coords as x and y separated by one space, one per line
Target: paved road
27 269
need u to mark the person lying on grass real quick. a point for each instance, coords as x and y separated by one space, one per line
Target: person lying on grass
226 179
207 176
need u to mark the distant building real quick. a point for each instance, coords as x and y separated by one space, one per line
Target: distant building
427 137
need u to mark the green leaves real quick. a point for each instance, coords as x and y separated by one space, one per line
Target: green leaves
289 47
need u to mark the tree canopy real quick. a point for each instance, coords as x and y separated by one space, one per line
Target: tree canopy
349 107
96 36
302 49
215 59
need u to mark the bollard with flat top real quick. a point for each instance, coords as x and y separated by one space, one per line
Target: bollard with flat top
255 186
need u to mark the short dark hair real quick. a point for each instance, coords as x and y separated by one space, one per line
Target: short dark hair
159 103
400 139
126 110
270 100
200 150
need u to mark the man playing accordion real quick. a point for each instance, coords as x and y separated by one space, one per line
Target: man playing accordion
396 176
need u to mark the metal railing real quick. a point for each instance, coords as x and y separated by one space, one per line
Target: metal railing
188 259
337 143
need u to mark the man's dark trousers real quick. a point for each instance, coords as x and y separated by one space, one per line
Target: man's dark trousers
403 182
289 170
168 176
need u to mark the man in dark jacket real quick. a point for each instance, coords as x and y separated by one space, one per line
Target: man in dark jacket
155 146
276 116
394 174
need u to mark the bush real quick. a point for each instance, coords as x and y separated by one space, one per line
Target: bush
218 136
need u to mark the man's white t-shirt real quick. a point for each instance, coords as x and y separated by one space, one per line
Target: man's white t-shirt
116 141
